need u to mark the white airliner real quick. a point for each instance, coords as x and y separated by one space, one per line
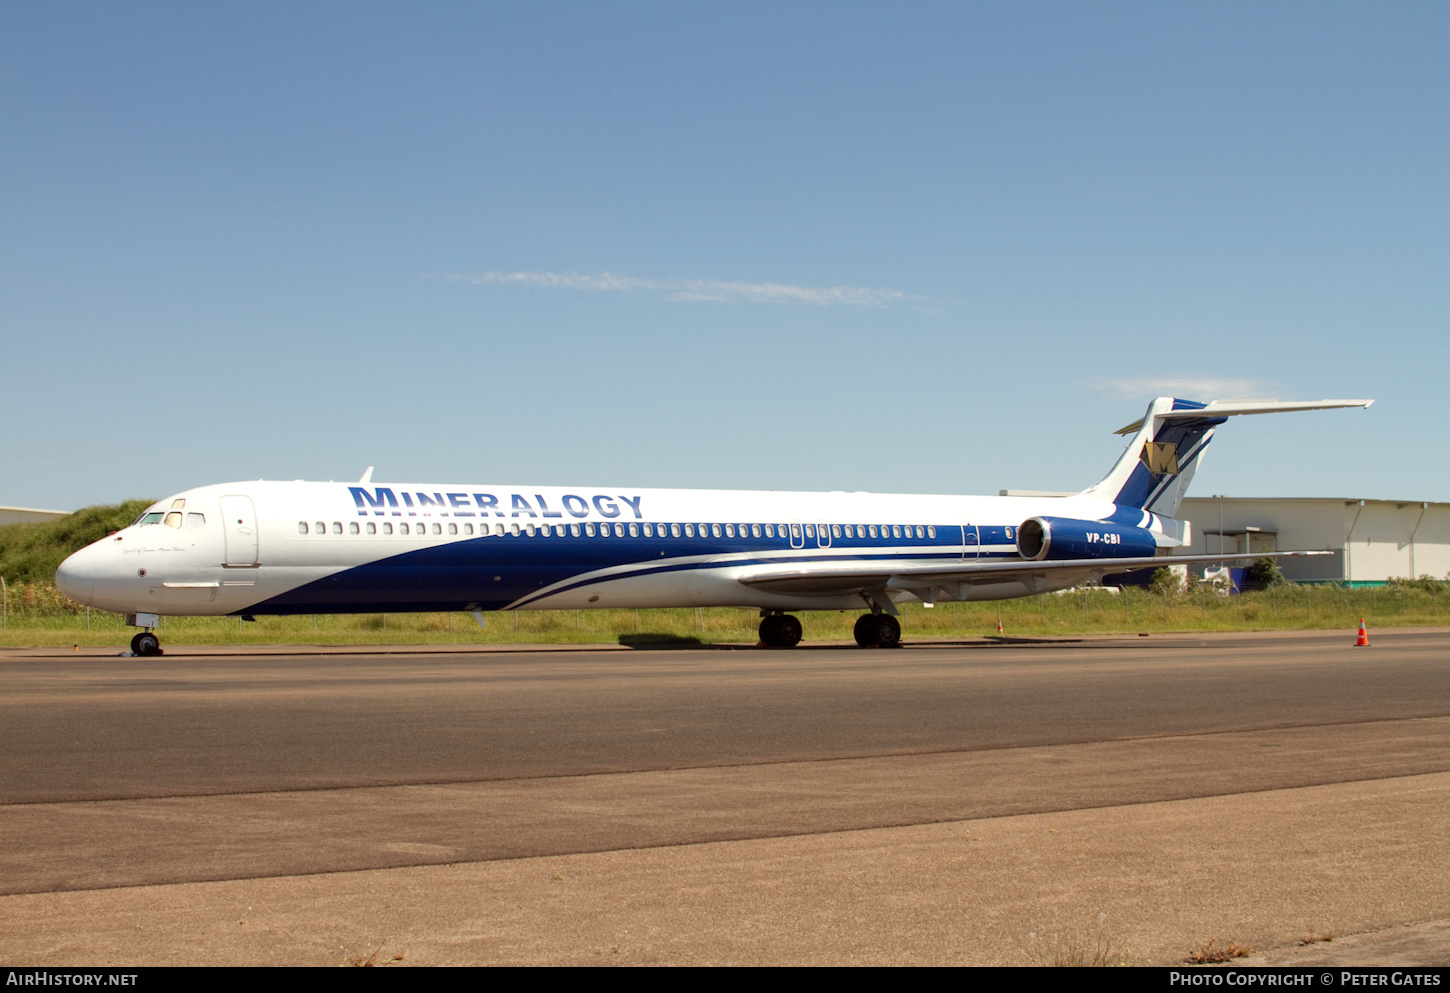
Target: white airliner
311 548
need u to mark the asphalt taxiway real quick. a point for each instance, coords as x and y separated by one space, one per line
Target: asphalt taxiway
984 803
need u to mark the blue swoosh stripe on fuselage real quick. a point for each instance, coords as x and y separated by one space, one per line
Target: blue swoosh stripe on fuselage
719 562
461 574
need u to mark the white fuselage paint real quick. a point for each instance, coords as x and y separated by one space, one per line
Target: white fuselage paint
249 551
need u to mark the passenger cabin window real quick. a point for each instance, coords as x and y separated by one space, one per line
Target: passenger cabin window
674 530
337 527
931 530
320 528
372 528
353 528
437 528
403 528
589 528
453 529
301 527
634 530
387 528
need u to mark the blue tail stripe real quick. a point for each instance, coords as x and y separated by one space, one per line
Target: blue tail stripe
1143 486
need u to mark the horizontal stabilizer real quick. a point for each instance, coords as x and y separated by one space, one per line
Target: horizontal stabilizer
1229 408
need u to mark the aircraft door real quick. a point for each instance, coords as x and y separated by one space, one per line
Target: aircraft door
971 540
239 521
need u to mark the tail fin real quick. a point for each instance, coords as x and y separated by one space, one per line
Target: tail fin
1155 469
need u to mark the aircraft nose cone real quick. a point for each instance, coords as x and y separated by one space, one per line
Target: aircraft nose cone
76 577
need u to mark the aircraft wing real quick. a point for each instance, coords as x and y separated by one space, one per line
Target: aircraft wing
950 581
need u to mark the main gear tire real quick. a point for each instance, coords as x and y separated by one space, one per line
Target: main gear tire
888 631
780 631
867 631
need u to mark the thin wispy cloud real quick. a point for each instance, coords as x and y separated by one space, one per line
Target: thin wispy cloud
712 290
1189 387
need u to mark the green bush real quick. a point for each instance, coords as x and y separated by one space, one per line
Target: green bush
1264 572
1166 583
29 553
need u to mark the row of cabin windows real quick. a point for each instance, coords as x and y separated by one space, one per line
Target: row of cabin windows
633 530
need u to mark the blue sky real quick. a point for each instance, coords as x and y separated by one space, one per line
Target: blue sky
921 248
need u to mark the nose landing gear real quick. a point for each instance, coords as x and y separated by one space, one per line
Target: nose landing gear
780 630
880 630
146 644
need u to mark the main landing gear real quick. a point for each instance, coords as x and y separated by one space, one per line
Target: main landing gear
872 631
879 630
146 644
780 630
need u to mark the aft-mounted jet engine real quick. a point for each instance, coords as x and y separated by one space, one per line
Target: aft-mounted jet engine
1048 538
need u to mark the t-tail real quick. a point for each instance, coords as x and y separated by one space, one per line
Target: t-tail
1155 469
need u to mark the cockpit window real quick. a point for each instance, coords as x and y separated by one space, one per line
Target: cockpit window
152 518
173 520
179 503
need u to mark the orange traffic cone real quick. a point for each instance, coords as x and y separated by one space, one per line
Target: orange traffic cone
1363 640
999 626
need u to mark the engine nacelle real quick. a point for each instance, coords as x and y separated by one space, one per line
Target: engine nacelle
1041 538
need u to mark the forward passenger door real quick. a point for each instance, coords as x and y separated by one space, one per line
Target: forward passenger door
239 522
